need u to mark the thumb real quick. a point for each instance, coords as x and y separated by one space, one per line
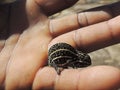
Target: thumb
53 6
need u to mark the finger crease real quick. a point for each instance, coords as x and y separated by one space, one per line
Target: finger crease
110 31
83 19
78 20
78 42
86 18
52 33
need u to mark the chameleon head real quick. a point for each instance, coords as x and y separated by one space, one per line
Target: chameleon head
84 59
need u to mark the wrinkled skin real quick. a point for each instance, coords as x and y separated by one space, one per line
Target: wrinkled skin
26 33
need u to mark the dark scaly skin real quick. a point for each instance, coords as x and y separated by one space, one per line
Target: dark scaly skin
63 56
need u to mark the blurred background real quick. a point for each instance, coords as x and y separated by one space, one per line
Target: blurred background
106 56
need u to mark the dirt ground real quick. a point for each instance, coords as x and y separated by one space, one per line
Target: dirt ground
106 56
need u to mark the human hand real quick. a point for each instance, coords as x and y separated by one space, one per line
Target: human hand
24 55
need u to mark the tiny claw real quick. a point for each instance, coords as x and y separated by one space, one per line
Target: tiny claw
59 70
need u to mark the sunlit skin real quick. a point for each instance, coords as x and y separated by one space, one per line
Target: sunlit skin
26 34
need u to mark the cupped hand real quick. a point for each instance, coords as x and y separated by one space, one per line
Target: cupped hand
23 55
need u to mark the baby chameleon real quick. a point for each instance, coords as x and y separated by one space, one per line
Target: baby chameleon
63 56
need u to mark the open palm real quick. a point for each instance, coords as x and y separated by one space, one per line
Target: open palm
24 54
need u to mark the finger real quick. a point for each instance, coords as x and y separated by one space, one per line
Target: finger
93 37
5 55
85 18
99 35
94 78
76 21
29 54
54 6
99 77
44 79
